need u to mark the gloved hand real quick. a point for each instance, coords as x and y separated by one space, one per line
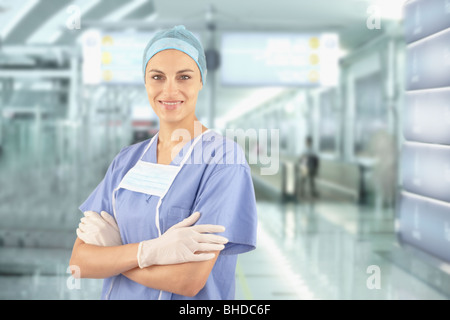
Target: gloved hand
99 229
181 242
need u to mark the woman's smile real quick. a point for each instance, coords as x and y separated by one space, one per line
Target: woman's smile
170 104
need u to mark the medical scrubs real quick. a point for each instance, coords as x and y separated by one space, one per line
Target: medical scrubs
215 180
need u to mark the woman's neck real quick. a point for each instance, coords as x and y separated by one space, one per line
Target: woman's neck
171 139
171 134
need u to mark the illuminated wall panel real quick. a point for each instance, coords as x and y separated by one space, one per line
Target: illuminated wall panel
423 215
424 18
426 116
428 62
425 223
426 170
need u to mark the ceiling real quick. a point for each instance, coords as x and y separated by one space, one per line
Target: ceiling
43 22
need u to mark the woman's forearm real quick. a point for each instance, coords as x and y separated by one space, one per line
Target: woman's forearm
103 262
186 279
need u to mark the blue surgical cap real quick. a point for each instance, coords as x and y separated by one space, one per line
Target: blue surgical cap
178 38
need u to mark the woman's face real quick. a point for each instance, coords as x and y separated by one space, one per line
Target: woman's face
173 81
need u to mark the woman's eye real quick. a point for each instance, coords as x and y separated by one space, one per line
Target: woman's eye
156 77
184 77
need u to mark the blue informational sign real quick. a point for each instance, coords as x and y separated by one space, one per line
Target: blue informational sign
280 59
114 58
121 57
425 223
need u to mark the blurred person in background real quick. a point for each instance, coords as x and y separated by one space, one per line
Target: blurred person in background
308 167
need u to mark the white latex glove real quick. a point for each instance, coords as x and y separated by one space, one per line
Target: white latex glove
99 229
181 242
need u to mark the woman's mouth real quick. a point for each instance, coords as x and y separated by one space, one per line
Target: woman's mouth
170 105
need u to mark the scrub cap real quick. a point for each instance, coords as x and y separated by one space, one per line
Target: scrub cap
180 39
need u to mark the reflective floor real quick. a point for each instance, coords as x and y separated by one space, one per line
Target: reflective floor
333 251
305 251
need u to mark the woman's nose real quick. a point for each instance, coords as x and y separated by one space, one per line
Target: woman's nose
170 87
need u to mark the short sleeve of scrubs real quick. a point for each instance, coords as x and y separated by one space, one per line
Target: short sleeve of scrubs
227 198
100 198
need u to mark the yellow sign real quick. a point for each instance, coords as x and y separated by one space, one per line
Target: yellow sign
106 57
107 75
313 76
314 42
314 59
107 40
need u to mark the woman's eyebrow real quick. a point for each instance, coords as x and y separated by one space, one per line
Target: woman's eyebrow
185 70
181 71
154 70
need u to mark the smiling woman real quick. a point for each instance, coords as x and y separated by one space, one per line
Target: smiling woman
154 191
173 82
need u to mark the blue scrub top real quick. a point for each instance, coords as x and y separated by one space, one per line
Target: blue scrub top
215 181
